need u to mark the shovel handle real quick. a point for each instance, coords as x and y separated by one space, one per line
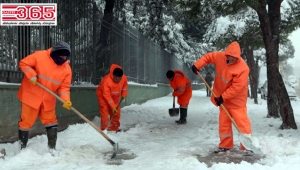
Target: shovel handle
173 102
78 113
221 104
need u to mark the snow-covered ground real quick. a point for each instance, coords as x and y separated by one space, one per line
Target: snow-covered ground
154 141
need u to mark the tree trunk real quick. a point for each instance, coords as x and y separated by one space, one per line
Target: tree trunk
103 59
286 110
248 52
278 100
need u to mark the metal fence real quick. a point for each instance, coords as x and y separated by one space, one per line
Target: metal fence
79 24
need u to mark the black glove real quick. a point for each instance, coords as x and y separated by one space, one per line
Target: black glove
194 68
219 100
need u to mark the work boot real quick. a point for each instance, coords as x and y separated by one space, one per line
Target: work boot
23 137
248 153
221 150
183 115
52 136
181 122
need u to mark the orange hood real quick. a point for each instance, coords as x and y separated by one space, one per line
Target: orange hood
233 50
112 68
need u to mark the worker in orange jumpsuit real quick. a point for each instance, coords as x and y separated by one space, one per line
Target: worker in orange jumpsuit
209 79
231 89
112 88
183 90
49 68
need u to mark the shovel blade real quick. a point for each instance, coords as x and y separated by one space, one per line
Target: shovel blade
115 150
174 112
250 143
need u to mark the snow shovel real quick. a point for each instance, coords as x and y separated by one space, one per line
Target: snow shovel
115 145
173 111
246 139
114 114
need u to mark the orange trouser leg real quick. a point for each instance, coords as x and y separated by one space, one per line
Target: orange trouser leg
48 118
184 99
115 122
225 130
242 121
104 111
183 103
29 115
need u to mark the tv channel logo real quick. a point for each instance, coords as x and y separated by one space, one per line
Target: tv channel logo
28 14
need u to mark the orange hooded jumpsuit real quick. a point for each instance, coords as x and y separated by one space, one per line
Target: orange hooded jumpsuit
182 88
231 81
109 94
36 102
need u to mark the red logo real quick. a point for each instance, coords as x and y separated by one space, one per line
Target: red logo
28 14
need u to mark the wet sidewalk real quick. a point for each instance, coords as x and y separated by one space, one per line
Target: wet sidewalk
234 156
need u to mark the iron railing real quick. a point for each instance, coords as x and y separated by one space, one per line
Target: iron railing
79 24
